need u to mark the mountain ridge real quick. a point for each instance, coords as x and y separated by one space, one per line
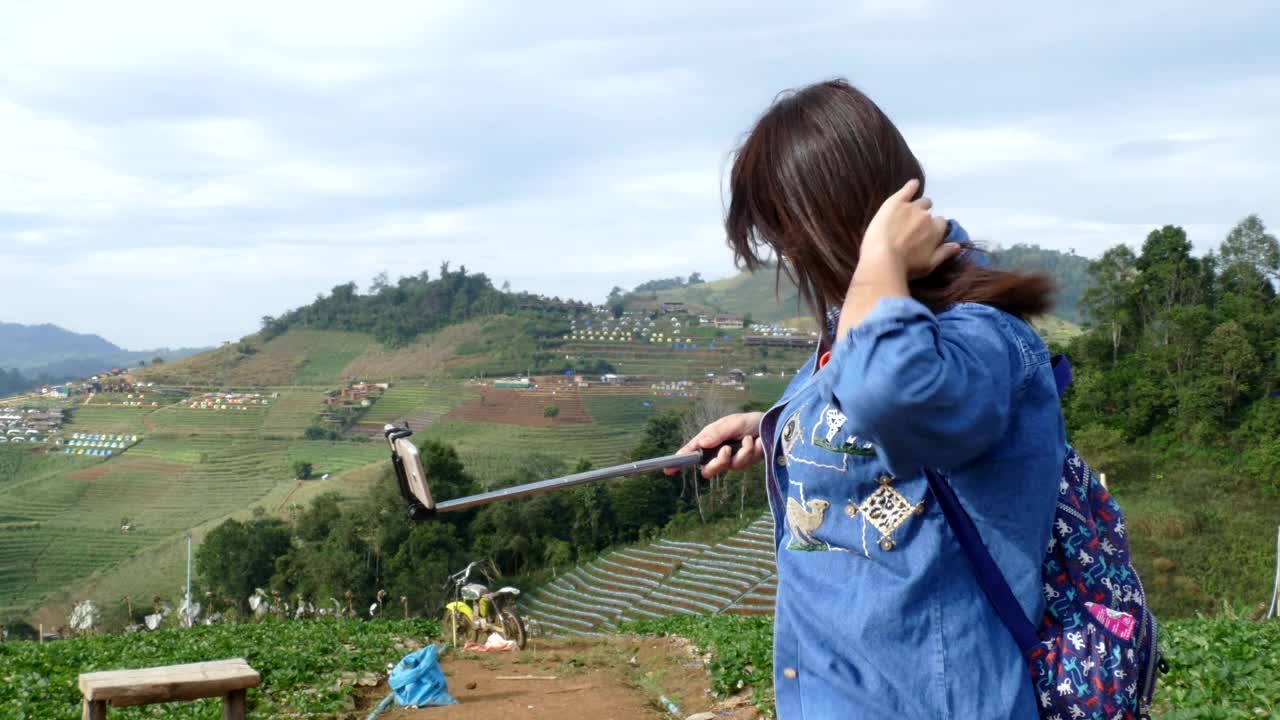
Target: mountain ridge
47 352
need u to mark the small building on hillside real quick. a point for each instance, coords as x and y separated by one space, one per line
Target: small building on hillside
673 307
728 322
779 341
512 383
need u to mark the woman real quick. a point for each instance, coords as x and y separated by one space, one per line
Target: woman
927 361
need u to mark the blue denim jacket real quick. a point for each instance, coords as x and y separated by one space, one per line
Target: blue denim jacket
878 612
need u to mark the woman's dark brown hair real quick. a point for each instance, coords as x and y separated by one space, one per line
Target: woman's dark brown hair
806 183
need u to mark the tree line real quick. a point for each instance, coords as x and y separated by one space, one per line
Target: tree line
13 381
1183 349
397 313
1069 270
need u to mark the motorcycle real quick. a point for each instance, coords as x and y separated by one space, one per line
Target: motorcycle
475 611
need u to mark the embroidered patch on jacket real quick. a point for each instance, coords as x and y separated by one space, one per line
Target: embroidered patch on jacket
828 436
792 435
804 517
791 432
886 510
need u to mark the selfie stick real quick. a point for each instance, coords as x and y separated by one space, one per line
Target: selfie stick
417 493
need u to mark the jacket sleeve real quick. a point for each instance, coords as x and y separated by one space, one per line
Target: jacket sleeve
928 390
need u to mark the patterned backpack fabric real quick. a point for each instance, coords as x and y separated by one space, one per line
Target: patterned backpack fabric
1095 652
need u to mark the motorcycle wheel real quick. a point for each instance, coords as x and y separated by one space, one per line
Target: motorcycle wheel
513 628
456 628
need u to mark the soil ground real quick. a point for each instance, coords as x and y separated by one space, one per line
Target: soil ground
619 678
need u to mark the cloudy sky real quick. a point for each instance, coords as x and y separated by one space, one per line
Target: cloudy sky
168 174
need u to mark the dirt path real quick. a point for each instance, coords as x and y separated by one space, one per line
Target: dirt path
618 678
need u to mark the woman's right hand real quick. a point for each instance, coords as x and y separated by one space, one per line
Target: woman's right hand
739 426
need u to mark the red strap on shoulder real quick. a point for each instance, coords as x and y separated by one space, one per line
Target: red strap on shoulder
823 359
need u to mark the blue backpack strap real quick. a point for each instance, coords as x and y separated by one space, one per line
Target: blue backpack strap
990 579
1061 372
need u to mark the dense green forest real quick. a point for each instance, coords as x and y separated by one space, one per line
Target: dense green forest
13 381
1069 271
397 313
670 283
1185 348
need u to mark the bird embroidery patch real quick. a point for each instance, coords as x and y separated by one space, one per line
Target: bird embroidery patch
803 519
827 434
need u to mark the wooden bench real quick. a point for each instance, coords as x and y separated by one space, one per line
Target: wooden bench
123 688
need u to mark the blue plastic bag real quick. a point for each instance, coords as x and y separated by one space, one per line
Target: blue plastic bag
418 680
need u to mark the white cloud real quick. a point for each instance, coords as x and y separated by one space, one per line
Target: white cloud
195 167
962 152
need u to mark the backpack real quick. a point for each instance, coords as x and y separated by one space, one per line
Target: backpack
1095 652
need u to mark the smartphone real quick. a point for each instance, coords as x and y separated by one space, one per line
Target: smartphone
412 477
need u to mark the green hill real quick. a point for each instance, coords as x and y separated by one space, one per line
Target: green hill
195 467
772 298
756 294
1069 270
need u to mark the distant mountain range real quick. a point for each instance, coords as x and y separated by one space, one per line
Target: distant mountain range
47 353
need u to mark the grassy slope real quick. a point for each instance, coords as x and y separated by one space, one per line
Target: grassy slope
1215 529
298 357
754 293
61 526
743 293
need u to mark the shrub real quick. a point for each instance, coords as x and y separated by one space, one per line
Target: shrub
1107 451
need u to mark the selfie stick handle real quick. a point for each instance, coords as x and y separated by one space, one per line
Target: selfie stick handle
678 460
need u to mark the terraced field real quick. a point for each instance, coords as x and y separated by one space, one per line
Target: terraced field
491 451
420 403
635 359
661 361
301 357
767 389
335 457
62 516
234 420
52 536
667 577
39 561
627 412
108 419
293 411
